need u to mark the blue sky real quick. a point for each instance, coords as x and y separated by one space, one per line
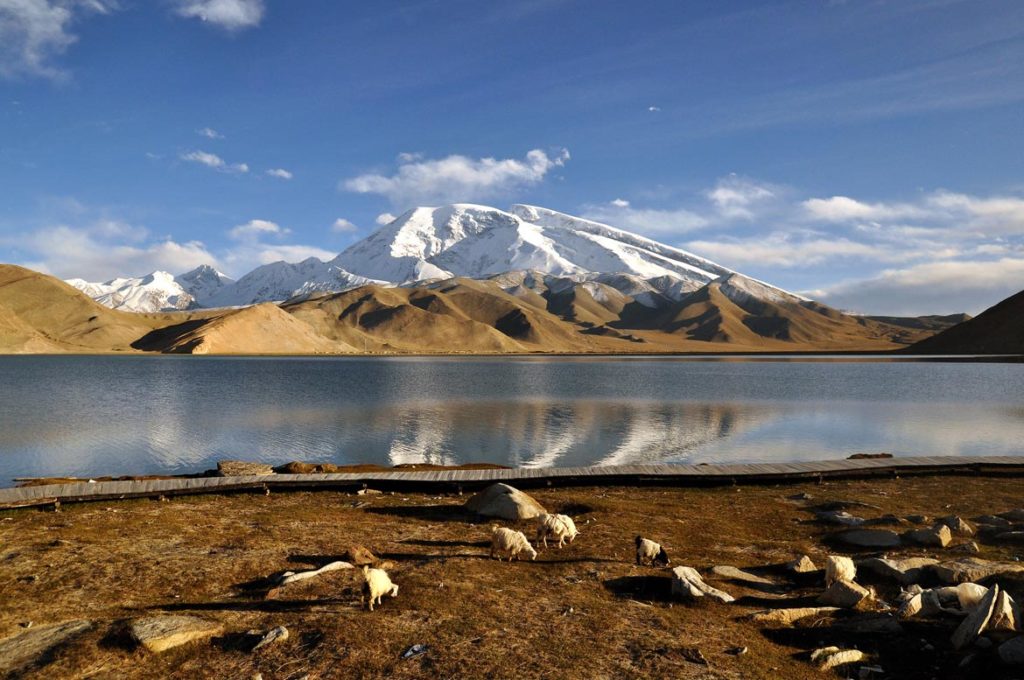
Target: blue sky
870 153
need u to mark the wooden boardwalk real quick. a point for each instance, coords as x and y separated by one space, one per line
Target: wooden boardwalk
667 474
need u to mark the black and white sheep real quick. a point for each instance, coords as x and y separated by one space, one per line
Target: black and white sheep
649 551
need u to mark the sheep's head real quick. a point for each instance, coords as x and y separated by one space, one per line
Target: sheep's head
532 552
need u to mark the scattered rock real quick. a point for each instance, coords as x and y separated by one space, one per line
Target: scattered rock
687 583
917 519
279 634
802 565
789 616
938 536
241 468
292 576
956 525
992 521
693 655
903 571
800 497
25 648
369 492
838 517
505 502
1012 651
1016 515
969 547
869 538
828 658
1010 537
845 594
971 569
1005 614
968 631
737 651
739 575
414 651
160 633
359 556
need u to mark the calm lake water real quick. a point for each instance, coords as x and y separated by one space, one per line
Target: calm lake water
132 415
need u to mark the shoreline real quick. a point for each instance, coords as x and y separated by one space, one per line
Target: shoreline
424 478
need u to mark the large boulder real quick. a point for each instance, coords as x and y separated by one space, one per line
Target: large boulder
903 571
687 583
505 502
24 649
869 538
976 622
845 594
938 536
160 633
971 569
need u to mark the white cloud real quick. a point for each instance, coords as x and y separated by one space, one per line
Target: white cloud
212 160
385 218
34 32
231 15
209 133
654 109
620 214
256 228
785 250
456 178
107 249
280 173
343 226
943 287
407 157
845 209
735 197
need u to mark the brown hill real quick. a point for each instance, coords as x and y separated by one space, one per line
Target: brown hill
39 313
997 330
260 329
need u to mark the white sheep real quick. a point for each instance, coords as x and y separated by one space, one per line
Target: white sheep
510 542
649 551
377 585
838 568
558 526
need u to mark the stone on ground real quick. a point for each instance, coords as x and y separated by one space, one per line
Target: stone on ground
1005 614
504 502
687 583
971 569
241 468
1011 652
903 571
160 633
1016 515
25 649
279 634
828 658
869 538
788 616
975 623
845 594
839 517
739 575
359 555
802 565
938 536
957 525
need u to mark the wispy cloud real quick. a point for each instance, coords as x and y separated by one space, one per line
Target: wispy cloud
737 197
209 133
212 160
255 229
456 178
385 218
620 213
231 15
34 32
343 226
280 173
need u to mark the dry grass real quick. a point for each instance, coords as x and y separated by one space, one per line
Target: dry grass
583 612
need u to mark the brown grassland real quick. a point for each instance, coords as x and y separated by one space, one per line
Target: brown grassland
585 611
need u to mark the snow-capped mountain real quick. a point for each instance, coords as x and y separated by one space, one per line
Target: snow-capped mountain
204 282
284 280
477 241
528 245
156 292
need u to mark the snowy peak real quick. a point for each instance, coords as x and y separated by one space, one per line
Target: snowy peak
156 292
279 281
203 282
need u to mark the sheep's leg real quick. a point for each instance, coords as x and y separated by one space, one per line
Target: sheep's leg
394 591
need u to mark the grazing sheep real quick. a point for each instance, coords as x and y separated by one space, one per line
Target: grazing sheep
839 569
510 542
649 551
558 526
377 585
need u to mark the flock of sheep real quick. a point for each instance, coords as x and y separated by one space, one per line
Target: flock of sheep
511 543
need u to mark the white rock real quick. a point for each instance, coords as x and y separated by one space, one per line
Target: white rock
686 582
976 621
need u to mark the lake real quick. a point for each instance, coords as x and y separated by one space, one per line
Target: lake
99 415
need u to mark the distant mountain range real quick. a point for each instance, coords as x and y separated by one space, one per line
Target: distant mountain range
430 244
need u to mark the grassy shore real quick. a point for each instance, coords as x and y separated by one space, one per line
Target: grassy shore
585 611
